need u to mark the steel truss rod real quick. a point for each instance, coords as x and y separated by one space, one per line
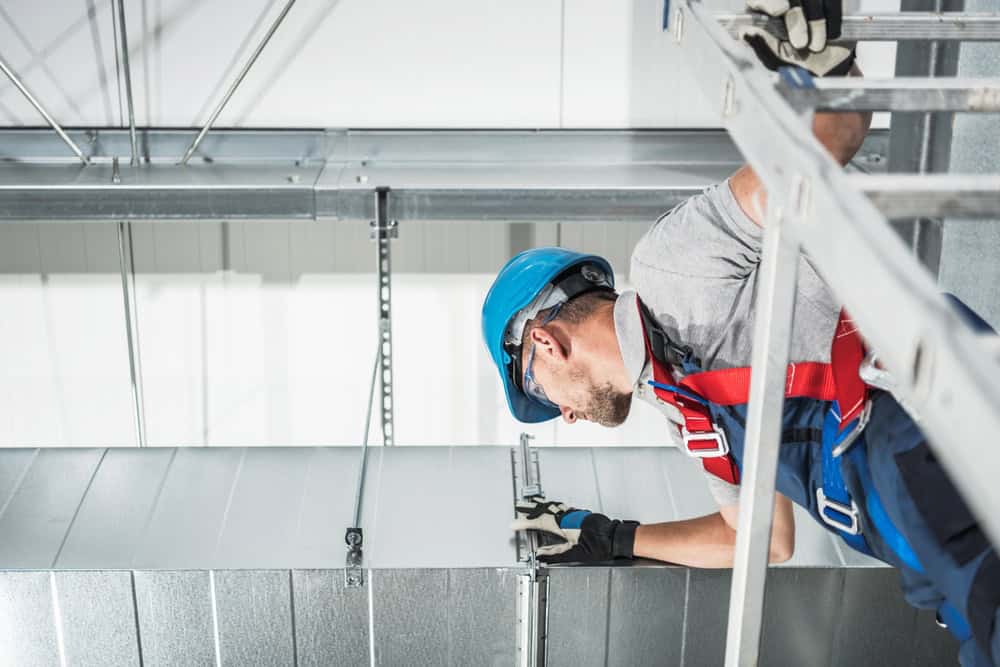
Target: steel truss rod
45 114
945 372
123 47
902 94
932 195
126 262
907 26
236 83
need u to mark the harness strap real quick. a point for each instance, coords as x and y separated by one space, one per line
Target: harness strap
694 395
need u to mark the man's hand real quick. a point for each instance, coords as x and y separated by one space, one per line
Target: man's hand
809 23
589 537
834 60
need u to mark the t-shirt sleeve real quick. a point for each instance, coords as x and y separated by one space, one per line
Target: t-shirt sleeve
725 494
706 236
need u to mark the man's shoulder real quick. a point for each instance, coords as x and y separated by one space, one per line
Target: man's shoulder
699 238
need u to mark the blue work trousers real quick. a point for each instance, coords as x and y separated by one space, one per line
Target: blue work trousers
958 563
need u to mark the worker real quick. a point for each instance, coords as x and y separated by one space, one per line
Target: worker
567 344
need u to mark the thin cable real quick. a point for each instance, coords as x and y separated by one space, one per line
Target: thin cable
364 443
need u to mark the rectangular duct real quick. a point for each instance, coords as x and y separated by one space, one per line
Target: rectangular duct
195 556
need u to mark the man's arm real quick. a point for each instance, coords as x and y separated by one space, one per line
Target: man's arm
840 133
709 541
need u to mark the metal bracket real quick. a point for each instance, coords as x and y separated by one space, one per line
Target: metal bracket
527 483
383 231
531 476
532 618
354 574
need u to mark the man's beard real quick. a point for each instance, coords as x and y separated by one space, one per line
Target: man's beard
607 407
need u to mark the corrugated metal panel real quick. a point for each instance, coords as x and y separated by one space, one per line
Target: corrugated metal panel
578 616
27 620
265 509
646 619
705 624
444 617
431 487
688 486
328 505
116 510
40 512
331 622
410 617
800 615
175 611
482 617
14 465
632 483
255 617
183 531
568 475
98 618
876 627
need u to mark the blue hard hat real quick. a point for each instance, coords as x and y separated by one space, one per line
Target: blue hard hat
517 285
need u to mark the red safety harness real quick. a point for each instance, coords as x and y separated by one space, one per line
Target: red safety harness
703 439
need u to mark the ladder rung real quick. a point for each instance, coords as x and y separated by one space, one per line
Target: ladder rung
891 27
932 195
900 94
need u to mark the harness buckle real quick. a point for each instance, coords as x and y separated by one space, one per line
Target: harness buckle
851 525
856 430
716 435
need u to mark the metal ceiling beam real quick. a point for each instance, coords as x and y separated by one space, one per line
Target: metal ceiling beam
517 176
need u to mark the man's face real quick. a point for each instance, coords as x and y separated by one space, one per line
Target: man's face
573 386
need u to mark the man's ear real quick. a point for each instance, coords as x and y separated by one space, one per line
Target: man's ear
548 344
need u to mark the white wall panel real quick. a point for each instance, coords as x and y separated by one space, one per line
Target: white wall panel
622 70
65 374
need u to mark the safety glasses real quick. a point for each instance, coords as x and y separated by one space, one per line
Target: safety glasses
531 386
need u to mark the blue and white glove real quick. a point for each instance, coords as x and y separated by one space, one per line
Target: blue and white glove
588 537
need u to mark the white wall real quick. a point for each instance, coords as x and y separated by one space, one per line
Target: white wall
275 350
230 360
364 63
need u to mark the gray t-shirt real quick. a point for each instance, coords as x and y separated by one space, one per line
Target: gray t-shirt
696 271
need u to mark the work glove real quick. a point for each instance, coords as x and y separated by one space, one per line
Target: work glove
809 24
588 537
834 60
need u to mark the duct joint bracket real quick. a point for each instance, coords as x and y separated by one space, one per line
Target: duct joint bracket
354 574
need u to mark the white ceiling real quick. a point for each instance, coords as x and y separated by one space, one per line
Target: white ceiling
362 63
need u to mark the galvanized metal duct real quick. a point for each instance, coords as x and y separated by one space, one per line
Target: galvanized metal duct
234 556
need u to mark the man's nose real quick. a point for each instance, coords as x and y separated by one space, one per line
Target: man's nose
568 415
